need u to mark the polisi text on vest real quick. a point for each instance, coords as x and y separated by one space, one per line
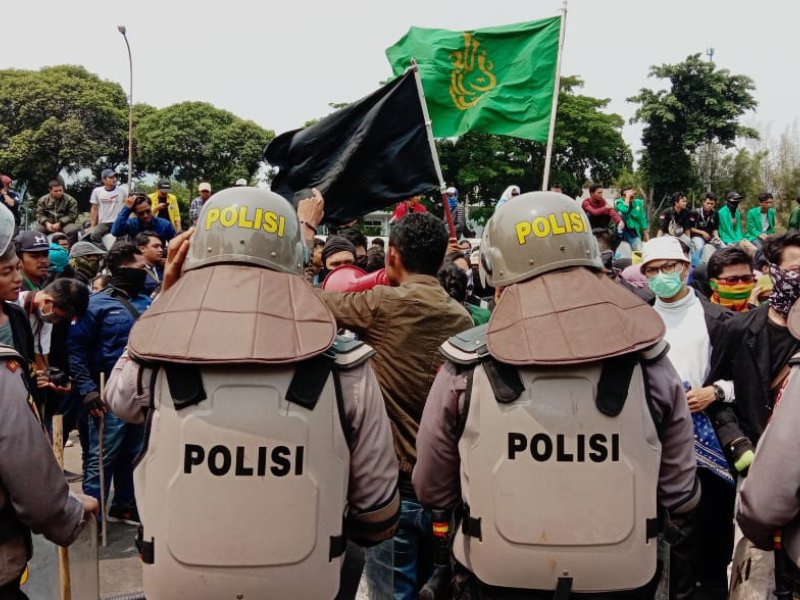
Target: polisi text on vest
220 460
596 447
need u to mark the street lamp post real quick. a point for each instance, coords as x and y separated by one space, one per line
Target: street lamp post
123 31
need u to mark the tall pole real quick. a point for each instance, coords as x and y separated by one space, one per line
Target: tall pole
556 89
123 31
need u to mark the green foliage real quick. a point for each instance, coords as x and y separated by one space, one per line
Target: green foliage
702 106
194 141
59 118
587 142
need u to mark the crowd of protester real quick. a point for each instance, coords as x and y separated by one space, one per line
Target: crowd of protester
723 282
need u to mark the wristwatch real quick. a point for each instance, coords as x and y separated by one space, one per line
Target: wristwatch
719 394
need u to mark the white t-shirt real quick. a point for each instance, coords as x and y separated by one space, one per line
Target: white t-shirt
109 203
687 335
42 332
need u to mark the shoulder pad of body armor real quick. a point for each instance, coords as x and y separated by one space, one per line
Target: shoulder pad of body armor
467 347
655 352
349 353
9 353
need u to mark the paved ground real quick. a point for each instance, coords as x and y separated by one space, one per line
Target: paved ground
120 568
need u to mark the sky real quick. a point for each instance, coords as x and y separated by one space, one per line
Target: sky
281 63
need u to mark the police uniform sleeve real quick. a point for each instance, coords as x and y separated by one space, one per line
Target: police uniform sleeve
677 488
36 486
121 391
436 474
770 495
373 499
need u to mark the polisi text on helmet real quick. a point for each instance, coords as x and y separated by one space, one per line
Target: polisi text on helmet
552 224
245 217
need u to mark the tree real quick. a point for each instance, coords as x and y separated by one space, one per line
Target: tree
588 143
59 119
194 141
702 106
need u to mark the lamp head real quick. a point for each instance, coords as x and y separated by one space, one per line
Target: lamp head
121 29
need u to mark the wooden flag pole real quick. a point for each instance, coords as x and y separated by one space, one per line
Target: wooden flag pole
556 89
448 215
63 553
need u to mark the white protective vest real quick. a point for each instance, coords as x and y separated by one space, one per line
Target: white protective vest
554 488
242 494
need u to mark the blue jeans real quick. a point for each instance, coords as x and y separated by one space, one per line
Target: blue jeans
409 554
121 444
634 240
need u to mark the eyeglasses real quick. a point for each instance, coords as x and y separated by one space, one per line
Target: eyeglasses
734 279
666 268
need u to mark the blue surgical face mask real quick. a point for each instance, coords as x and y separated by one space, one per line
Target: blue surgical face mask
665 285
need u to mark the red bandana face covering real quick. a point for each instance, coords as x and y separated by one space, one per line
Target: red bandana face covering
731 296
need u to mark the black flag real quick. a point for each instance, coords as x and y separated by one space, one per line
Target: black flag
363 157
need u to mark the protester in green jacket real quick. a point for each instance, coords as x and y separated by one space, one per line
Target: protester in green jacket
794 217
634 216
761 220
730 224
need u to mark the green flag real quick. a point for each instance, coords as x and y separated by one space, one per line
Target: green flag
496 80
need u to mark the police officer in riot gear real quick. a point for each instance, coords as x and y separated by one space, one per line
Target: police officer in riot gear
268 444
559 432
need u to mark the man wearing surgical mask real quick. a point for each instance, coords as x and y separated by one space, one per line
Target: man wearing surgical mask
692 330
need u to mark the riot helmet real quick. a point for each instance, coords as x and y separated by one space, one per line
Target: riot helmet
537 233
247 225
6 228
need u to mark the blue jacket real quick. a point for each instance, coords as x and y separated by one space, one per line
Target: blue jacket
98 339
128 224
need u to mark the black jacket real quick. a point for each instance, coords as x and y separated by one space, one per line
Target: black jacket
742 355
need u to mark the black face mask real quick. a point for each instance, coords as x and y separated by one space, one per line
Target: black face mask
130 281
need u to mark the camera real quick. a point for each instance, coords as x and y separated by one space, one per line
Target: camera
57 377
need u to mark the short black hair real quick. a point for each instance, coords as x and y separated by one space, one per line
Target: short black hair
711 196
774 245
376 258
140 199
454 281
378 242
318 243
54 183
764 196
594 187
143 238
69 295
121 255
725 257
358 239
676 197
421 240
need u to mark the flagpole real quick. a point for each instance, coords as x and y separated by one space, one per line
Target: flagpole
556 89
447 213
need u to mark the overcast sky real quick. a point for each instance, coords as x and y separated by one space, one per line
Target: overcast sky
280 63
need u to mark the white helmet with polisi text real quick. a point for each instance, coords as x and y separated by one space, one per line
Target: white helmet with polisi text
537 233
247 225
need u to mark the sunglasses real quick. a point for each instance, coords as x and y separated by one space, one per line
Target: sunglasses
734 279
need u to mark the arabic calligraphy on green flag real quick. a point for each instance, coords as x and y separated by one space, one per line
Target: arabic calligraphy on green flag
496 80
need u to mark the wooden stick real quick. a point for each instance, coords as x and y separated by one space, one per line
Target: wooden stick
63 553
101 460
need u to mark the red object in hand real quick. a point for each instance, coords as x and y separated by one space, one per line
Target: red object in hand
352 279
